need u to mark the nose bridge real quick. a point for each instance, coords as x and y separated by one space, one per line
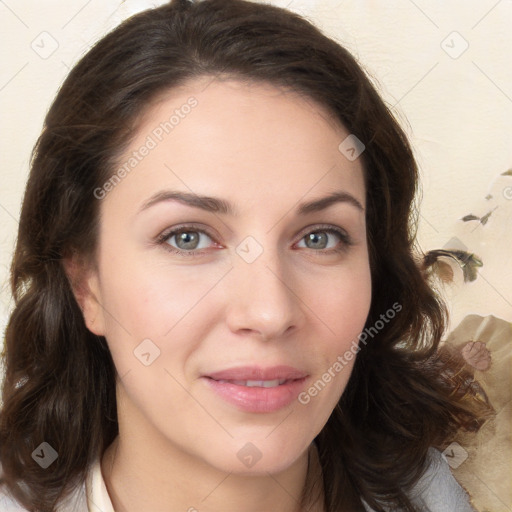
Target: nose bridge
262 299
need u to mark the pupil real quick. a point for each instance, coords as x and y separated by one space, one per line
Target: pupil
315 238
187 240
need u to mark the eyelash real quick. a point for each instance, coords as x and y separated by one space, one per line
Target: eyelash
163 238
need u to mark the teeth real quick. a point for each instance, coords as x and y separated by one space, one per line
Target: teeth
257 383
262 383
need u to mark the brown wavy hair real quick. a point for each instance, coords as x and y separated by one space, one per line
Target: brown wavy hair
405 393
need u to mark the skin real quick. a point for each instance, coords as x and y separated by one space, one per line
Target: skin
264 150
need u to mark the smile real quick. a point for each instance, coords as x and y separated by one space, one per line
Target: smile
255 389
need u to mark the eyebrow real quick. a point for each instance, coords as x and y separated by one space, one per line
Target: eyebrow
217 205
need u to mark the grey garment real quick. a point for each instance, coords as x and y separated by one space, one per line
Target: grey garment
436 491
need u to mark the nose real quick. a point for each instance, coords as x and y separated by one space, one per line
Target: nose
262 298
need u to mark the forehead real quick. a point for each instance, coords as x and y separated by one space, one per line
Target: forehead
253 142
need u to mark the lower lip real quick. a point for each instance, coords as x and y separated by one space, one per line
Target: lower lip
257 399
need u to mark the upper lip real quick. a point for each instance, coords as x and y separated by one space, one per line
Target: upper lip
281 372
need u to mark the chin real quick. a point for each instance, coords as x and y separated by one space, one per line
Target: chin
258 458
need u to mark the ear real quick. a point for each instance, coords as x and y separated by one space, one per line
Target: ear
85 284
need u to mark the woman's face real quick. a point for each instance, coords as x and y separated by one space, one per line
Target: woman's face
228 286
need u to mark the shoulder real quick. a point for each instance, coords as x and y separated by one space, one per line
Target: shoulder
437 490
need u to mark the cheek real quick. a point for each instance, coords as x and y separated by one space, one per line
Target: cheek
152 328
155 314
148 300
344 304
342 310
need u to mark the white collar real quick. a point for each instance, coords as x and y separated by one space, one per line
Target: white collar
98 499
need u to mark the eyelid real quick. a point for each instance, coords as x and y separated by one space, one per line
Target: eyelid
322 227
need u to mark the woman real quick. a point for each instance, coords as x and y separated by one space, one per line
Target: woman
218 305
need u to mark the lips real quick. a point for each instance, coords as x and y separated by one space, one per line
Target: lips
259 390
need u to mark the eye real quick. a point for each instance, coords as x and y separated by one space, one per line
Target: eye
326 239
185 240
191 240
